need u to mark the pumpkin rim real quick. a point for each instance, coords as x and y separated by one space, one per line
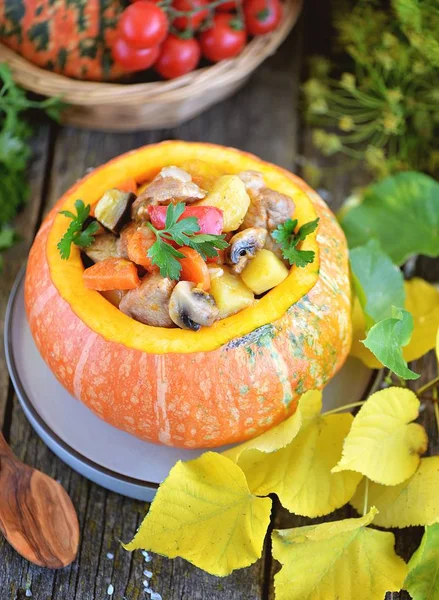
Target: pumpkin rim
108 321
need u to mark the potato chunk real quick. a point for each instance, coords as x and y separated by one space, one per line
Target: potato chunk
264 272
228 194
230 293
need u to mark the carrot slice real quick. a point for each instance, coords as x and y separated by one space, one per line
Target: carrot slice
193 268
111 274
129 185
139 241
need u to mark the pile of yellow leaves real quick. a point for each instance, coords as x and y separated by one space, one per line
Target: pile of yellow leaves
214 511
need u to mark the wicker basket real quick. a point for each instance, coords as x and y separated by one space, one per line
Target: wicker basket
127 107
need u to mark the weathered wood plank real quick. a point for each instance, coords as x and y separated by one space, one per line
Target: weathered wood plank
16 256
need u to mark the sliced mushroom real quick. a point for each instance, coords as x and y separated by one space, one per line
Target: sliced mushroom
172 184
191 308
243 247
149 303
104 246
114 208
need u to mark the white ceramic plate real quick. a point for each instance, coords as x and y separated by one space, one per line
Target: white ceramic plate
110 457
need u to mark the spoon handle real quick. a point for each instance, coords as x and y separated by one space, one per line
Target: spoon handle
5 449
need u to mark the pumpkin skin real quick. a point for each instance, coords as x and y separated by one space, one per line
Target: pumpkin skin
224 384
70 37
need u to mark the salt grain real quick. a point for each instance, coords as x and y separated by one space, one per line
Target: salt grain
110 556
146 556
147 573
28 594
110 590
155 596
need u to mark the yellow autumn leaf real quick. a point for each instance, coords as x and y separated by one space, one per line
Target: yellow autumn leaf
342 559
383 444
205 513
296 465
414 502
422 301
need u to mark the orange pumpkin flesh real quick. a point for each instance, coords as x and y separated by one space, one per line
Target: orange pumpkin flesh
223 384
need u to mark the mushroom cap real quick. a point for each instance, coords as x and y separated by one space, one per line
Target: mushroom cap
190 307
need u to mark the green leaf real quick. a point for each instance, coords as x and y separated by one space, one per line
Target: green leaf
74 233
422 581
7 237
386 339
401 212
378 283
165 257
288 240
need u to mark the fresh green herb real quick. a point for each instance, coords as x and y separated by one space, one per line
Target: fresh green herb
75 234
384 107
183 232
15 151
285 236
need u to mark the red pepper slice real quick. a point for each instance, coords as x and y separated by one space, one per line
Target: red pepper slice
210 218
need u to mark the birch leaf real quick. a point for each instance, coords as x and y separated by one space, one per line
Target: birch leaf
300 471
342 559
205 513
383 444
422 581
413 502
422 301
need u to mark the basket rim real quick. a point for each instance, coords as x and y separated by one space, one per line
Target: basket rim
87 93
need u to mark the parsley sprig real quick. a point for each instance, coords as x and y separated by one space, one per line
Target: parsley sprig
182 232
75 234
289 240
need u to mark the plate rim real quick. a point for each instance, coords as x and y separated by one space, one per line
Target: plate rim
26 402
27 406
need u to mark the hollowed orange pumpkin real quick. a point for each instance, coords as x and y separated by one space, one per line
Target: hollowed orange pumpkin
223 384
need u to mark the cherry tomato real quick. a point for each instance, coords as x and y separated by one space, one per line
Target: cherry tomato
192 21
177 57
210 218
143 24
227 6
134 59
226 38
262 16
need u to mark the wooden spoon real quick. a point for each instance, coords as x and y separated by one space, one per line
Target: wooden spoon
37 516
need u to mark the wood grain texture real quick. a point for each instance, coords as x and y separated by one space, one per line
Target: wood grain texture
15 257
36 515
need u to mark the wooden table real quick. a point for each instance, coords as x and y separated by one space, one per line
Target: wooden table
263 118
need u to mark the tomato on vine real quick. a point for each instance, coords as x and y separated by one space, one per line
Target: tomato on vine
227 6
191 21
178 56
143 24
134 59
224 39
262 16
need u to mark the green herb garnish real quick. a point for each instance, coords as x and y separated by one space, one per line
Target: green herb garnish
183 232
285 236
15 151
74 234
